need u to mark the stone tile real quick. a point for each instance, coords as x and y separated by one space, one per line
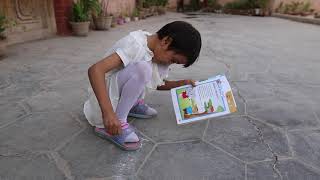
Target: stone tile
292 93
90 156
4 82
38 132
190 160
46 101
114 178
239 137
17 92
63 99
290 170
310 92
10 112
29 74
285 72
29 167
261 78
306 145
251 90
285 114
164 128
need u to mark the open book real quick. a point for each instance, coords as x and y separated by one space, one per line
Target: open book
209 98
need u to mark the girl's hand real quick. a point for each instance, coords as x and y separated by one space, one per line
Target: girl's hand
190 81
112 125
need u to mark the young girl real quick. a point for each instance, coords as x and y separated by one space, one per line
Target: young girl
137 61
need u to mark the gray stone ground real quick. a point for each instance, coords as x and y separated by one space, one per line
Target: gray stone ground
274 67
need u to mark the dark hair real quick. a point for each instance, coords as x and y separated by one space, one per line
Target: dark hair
186 40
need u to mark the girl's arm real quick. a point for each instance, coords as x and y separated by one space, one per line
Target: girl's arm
173 84
96 75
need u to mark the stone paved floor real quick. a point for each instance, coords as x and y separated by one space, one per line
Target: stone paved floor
274 67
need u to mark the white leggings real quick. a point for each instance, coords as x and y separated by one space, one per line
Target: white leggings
131 82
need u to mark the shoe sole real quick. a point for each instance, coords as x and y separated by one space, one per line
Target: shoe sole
125 148
141 116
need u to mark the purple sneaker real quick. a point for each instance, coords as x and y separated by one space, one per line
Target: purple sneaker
142 110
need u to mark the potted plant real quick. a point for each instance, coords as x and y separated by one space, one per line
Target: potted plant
135 15
3 44
120 20
4 24
259 7
101 19
305 9
161 6
126 18
81 15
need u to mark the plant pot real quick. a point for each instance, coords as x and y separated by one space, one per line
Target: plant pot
306 13
120 21
80 28
127 19
135 18
161 10
142 14
3 48
257 11
102 22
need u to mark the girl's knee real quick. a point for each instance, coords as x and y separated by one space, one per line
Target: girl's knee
143 71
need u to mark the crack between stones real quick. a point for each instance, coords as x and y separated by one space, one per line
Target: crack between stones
12 155
205 130
316 116
246 171
63 144
145 159
261 137
61 164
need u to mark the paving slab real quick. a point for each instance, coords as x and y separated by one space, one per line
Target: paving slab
190 160
38 132
29 167
92 157
284 114
272 64
306 146
241 137
288 169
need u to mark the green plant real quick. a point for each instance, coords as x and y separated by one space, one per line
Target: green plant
82 10
306 7
280 7
262 3
163 2
287 8
135 13
4 24
149 3
294 7
214 4
194 5
239 5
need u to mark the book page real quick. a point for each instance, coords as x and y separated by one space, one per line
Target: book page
209 98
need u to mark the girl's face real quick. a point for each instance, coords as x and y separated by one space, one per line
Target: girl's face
162 54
